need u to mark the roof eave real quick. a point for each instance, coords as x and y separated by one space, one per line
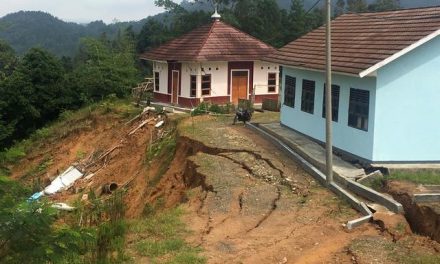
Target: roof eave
308 69
373 69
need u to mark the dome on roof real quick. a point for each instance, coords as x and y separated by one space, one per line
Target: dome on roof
216 16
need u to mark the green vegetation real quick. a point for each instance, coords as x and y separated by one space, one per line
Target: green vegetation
418 177
34 232
36 89
163 149
162 238
206 107
29 232
402 251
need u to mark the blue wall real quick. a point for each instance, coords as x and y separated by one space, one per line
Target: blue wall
408 107
352 140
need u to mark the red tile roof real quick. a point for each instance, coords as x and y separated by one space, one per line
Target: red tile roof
360 41
216 41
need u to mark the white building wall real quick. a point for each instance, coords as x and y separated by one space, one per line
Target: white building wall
261 72
188 69
219 77
162 69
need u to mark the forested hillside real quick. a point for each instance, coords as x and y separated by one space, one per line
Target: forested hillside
24 30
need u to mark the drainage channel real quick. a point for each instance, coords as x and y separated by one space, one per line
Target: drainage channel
320 177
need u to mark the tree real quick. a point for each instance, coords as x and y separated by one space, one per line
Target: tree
8 60
31 94
384 5
297 20
357 6
339 8
104 68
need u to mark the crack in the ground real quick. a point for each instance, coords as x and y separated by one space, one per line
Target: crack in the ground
202 202
288 236
268 214
197 146
206 231
240 201
283 181
353 256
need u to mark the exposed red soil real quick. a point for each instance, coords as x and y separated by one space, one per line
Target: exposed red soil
126 166
245 201
424 218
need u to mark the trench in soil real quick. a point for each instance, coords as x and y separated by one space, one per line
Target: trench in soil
422 218
183 175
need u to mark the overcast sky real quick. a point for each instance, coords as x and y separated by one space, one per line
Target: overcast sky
83 11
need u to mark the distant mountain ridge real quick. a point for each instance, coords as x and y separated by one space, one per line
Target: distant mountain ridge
26 29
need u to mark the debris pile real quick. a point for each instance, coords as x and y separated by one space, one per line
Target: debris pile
89 167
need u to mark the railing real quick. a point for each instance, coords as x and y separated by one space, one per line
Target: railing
143 91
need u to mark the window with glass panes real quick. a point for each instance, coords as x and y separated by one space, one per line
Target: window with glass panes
206 84
272 82
193 86
335 102
289 91
308 96
359 109
156 81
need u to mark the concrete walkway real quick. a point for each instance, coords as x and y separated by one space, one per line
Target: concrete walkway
312 151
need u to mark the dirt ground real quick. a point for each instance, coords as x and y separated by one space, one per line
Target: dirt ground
424 217
244 200
257 206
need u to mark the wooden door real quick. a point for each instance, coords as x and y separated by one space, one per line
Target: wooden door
239 86
175 86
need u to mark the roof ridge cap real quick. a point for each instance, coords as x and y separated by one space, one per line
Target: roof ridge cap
391 11
206 39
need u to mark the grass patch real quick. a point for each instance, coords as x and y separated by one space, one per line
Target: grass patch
152 248
375 184
206 107
418 177
339 208
189 256
402 251
161 238
39 169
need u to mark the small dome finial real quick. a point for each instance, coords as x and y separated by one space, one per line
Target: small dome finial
216 16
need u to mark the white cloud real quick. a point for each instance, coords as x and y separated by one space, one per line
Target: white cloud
85 10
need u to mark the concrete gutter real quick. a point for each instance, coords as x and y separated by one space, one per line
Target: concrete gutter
320 177
426 197
347 183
